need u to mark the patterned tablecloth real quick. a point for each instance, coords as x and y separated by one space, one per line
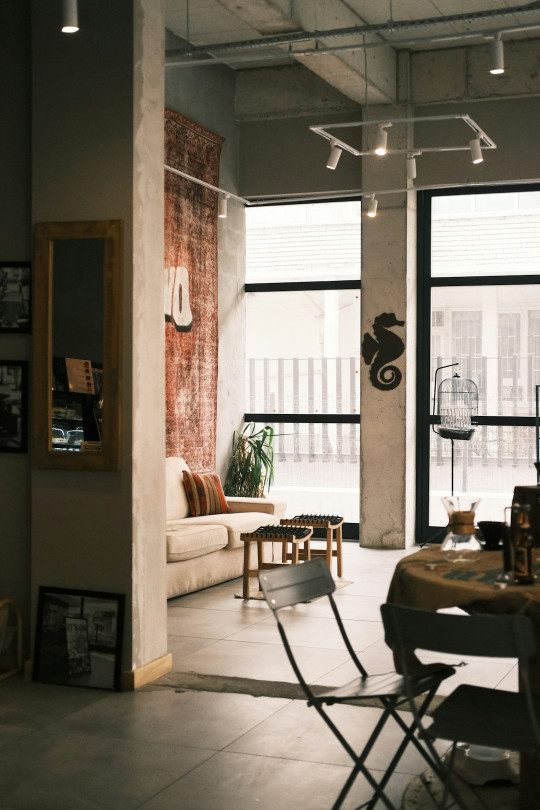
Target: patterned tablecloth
426 580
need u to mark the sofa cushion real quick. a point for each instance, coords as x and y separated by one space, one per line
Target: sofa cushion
186 541
204 493
234 523
177 505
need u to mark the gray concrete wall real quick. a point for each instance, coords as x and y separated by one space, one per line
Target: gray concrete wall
97 154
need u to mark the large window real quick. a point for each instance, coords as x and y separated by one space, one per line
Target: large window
303 350
479 307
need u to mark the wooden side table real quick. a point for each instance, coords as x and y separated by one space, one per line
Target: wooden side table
295 535
334 527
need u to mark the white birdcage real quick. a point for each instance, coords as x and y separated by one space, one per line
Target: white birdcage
456 401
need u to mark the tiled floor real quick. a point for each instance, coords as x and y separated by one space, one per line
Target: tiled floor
163 748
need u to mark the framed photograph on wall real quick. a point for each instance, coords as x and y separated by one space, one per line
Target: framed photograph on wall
79 638
15 296
13 406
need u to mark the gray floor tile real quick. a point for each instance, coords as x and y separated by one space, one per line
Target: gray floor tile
51 770
264 661
28 705
232 781
199 719
204 623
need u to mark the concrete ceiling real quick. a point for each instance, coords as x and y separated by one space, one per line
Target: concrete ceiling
351 44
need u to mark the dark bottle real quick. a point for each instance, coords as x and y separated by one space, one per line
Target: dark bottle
523 542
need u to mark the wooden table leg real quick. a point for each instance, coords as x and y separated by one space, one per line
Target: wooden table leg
339 550
307 550
294 553
245 578
329 544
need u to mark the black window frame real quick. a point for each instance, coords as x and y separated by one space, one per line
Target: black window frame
351 531
425 282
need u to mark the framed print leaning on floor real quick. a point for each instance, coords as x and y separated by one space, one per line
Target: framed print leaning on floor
13 406
15 297
79 638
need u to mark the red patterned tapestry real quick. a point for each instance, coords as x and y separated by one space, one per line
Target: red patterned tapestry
191 292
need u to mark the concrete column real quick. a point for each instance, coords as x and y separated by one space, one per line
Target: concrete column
97 149
388 329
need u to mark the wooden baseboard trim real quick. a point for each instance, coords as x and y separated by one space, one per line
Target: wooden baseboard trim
136 678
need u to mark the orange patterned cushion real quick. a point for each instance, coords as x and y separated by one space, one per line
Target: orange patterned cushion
204 493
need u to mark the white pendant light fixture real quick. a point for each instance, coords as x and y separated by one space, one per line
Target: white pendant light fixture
372 207
496 52
334 156
476 150
382 139
222 206
70 19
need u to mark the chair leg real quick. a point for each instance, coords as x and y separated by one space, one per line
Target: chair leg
359 766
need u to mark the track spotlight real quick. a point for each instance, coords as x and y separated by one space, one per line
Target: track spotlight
334 156
222 206
372 207
496 51
382 138
476 151
70 24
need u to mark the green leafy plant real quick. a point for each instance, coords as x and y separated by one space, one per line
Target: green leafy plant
251 466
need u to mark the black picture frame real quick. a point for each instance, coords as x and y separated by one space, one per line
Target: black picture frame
13 406
79 638
15 297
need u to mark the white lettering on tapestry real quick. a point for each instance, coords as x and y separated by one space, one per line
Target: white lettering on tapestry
177 308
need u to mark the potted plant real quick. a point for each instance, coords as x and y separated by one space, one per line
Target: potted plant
251 466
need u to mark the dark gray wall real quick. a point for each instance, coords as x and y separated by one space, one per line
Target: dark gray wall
15 244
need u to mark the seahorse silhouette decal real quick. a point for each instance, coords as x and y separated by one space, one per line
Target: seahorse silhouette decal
384 350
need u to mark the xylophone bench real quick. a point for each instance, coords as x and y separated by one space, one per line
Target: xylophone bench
333 525
295 535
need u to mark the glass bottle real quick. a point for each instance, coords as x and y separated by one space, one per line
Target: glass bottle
523 542
461 545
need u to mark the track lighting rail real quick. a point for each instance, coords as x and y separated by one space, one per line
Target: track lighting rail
324 131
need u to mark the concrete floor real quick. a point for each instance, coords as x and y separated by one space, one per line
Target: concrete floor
165 748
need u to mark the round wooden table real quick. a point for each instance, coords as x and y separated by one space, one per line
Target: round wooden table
427 581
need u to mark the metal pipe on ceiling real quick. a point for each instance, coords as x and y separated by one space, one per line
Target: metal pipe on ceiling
390 27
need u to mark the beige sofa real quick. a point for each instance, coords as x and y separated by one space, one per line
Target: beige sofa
205 550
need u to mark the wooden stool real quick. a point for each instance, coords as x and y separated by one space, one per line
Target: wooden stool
273 534
333 525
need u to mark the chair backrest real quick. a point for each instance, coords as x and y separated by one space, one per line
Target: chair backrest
409 629
483 635
292 584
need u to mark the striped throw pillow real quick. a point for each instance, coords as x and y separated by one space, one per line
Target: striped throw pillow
204 493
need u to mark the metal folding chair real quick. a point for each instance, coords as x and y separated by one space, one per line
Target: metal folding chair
470 714
291 585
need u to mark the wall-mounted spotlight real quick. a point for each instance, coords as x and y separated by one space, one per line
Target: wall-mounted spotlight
476 150
411 165
70 18
496 54
222 206
334 156
372 207
382 138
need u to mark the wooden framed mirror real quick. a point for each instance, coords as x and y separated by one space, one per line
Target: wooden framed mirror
77 328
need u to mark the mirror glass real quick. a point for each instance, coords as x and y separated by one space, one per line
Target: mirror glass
77 310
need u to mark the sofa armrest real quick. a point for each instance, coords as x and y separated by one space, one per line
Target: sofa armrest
272 507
